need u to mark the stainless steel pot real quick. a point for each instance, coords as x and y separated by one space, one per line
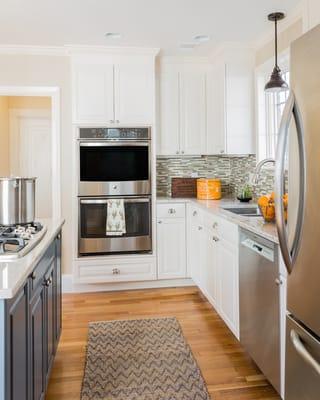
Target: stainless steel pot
17 200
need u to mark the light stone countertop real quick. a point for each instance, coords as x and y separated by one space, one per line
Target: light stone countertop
253 224
14 273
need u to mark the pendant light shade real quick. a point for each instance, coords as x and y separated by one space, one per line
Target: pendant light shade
276 82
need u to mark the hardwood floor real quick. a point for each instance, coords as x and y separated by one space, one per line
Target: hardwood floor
227 370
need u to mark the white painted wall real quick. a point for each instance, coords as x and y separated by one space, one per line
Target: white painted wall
4 136
41 70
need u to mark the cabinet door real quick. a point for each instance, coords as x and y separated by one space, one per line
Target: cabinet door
169 125
193 111
228 293
49 319
57 293
37 344
211 268
93 93
195 253
216 132
134 92
171 246
17 335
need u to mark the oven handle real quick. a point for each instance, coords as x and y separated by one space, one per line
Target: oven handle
118 143
102 201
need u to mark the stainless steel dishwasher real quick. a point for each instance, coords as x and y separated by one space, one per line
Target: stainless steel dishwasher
260 303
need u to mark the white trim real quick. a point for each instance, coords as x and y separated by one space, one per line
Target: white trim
79 49
68 286
54 94
74 49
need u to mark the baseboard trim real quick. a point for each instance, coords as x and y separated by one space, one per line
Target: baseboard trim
68 286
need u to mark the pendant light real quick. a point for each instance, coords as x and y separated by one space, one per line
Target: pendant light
276 82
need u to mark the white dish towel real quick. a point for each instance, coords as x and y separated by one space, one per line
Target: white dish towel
116 221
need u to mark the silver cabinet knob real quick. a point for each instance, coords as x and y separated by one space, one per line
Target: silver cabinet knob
199 228
182 152
171 211
221 151
215 225
278 281
215 239
116 271
159 222
114 187
194 213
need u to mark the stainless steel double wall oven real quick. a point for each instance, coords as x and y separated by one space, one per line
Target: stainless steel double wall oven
114 163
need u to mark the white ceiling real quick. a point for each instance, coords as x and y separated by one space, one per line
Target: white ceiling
151 23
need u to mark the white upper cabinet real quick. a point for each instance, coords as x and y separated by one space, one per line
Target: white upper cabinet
113 89
182 109
207 107
169 117
231 103
193 110
93 93
134 90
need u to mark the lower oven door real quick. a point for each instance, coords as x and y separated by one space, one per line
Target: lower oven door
93 237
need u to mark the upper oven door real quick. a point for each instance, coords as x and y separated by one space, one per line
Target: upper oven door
114 168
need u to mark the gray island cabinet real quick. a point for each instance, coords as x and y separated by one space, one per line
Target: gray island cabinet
30 326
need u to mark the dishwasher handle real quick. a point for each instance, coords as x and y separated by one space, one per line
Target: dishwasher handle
258 248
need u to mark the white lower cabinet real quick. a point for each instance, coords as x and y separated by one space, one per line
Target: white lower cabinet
213 264
228 264
171 241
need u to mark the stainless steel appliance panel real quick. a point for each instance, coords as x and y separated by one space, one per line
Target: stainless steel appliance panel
259 304
17 200
303 257
92 227
302 363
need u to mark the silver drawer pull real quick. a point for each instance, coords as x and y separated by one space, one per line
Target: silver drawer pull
299 346
194 213
116 271
215 225
171 211
215 239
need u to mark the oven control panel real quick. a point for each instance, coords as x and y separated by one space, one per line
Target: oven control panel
115 133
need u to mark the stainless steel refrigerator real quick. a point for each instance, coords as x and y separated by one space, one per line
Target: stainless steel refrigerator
299 150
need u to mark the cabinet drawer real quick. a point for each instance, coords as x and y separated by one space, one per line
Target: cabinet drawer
171 210
117 272
222 228
37 276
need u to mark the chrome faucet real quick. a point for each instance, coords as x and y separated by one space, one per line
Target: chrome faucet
259 167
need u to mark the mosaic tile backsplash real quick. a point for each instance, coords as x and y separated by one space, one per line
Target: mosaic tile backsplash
233 172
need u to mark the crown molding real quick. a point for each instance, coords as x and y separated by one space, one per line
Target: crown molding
32 50
79 49
75 49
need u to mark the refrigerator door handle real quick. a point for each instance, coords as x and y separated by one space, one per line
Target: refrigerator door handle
291 108
303 352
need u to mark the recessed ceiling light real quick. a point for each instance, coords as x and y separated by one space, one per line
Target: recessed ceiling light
113 35
187 46
201 38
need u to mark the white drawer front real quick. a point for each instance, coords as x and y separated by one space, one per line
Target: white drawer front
117 272
171 210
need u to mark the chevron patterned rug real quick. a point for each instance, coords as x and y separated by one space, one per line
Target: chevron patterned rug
147 359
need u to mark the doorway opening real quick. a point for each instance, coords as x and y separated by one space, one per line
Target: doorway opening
29 143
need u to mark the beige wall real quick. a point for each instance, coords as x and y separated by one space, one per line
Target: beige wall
29 102
4 136
266 52
18 70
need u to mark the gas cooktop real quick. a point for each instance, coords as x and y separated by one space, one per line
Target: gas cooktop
16 241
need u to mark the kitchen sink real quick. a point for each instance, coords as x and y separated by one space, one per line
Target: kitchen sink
245 211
